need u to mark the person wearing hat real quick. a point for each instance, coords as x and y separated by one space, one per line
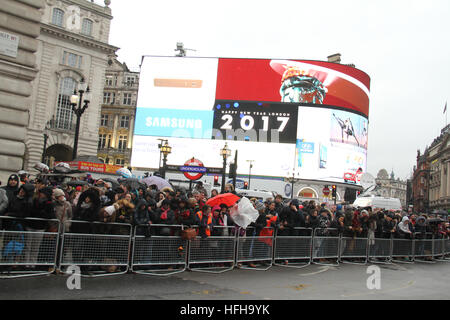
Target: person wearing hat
22 204
63 208
388 225
12 187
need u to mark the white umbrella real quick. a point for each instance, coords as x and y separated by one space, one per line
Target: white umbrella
158 181
243 213
63 167
124 172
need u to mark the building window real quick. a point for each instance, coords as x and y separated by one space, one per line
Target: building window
120 162
122 143
86 27
109 81
127 99
64 111
58 17
124 121
72 60
104 120
106 97
101 141
129 81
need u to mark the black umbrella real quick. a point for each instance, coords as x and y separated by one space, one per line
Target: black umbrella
134 183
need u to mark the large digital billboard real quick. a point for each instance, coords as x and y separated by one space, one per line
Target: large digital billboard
310 117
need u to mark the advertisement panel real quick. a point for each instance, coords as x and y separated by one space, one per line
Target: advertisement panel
306 116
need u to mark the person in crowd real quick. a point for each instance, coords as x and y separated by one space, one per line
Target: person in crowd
141 219
63 209
278 203
404 232
3 202
12 187
205 221
22 204
185 214
312 220
286 218
214 193
165 215
388 226
87 209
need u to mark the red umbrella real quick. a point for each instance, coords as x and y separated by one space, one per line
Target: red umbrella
225 198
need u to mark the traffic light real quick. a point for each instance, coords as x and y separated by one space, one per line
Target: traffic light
245 185
216 180
333 191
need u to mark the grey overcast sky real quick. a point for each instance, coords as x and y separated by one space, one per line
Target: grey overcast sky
403 45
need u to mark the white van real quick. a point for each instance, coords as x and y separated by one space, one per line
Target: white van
378 202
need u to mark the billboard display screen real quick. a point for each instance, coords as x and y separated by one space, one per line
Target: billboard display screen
310 117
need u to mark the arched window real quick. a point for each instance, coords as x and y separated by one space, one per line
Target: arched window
86 27
58 17
64 108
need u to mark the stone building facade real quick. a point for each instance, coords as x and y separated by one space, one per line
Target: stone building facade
388 186
420 183
439 177
19 44
72 45
115 135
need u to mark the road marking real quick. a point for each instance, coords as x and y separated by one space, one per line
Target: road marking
409 284
322 269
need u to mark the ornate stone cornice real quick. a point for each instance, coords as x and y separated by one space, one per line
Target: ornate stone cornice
78 39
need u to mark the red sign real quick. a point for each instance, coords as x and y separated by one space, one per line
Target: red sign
326 191
343 86
196 163
92 167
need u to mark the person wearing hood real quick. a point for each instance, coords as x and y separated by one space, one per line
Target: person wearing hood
286 218
403 229
42 208
12 187
185 214
87 209
22 204
3 202
141 218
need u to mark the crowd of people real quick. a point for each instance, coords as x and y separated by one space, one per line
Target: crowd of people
146 206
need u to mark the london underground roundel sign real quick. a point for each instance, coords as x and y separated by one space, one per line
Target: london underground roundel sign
193 169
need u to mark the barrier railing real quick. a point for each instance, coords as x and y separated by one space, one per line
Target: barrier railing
28 246
294 250
423 247
99 248
31 246
158 250
215 254
252 248
353 250
325 246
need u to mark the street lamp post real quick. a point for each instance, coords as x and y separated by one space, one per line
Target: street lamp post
225 152
250 171
76 100
292 181
165 150
46 128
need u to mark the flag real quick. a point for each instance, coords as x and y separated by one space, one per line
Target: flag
445 108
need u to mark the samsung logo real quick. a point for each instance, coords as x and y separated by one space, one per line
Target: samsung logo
157 122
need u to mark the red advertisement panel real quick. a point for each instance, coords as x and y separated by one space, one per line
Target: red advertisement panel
293 81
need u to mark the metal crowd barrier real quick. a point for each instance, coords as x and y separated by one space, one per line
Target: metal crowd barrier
100 249
215 254
253 248
380 250
294 249
423 247
26 251
325 246
402 250
354 250
158 250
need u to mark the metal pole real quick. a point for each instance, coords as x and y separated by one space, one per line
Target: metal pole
222 188
235 173
163 171
78 113
45 147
